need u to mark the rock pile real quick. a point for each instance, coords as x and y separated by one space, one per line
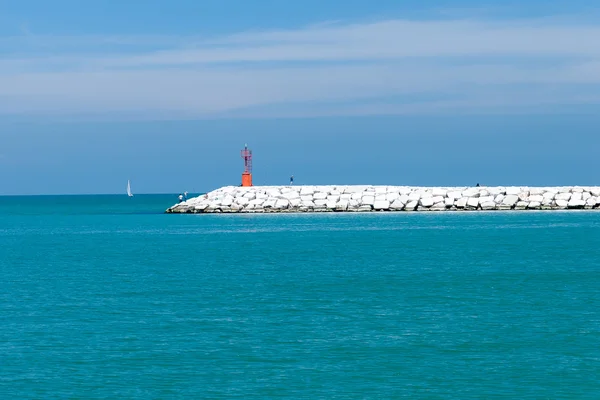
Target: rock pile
263 199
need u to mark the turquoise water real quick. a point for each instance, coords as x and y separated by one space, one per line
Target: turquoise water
106 297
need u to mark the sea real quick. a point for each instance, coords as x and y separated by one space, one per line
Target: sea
107 297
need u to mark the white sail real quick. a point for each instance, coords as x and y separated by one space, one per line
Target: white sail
129 189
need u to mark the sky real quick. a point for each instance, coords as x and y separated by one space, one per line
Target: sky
334 92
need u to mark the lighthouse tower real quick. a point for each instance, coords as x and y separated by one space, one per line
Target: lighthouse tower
247 174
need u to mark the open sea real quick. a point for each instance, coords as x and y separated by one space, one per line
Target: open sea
105 297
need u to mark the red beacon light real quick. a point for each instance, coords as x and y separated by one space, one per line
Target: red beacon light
247 174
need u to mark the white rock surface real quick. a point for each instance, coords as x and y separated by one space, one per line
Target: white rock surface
576 203
411 205
474 192
510 199
462 202
364 198
437 199
381 205
282 203
473 202
536 198
521 205
368 200
439 192
562 203
426 202
489 205
397 205
455 195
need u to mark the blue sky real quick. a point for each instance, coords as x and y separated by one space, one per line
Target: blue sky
387 92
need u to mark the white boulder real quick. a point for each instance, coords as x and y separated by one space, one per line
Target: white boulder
486 199
536 192
473 192
462 202
331 204
495 191
536 198
437 199
521 205
381 205
426 202
397 205
282 203
561 203
524 196
391 196
438 206
454 195
510 199
342 205
439 192
270 203
488 205
227 201
411 205
414 196
473 202
368 200
356 196
576 203
273 192
307 190
291 195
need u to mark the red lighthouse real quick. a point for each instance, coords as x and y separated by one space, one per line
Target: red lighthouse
247 174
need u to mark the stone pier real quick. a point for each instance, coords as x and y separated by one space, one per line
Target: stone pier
366 198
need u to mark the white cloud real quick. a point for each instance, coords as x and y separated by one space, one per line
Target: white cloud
382 67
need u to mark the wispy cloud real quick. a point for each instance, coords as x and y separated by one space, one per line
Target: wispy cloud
385 67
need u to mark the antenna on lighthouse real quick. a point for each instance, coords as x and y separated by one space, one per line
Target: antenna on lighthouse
247 174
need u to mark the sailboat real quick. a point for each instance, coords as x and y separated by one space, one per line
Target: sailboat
129 189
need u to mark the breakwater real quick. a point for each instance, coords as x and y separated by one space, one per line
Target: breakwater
269 199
